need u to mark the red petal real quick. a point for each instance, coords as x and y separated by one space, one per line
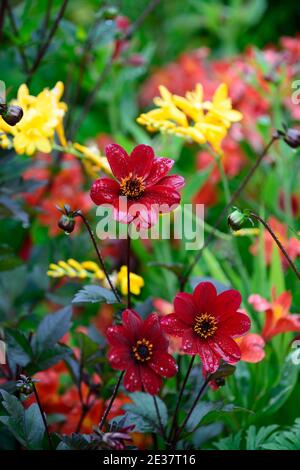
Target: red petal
132 379
152 331
132 322
118 336
285 324
172 325
204 296
118 160
174 181
210 360
225 347
236 325
160 167
190 342
150 380
164 196
227 302
163 364
119 358
141 160
104 191
185 308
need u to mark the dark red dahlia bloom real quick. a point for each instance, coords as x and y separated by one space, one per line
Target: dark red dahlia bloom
207 324
139 347
141 183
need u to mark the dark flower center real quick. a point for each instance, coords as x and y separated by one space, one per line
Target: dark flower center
143 350
132 186
205 325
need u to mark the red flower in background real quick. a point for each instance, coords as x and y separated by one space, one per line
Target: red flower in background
65 188
141 179
252 347
140 348
207 324
278 316
292 245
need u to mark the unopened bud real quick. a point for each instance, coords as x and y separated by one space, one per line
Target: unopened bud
11 114
236 219
292 138
110 13
66 223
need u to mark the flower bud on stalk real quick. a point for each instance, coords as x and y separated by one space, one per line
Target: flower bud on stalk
67 221
237 219
11 114
292 138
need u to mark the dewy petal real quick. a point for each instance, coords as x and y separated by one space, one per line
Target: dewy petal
236 325
190 342
210 360
160 168
117 336
119 357
204 296
152 331
163 364
141 160
225 347
164 196
185 308
227 302
118 160
104 191
132 379
173 326
150 380
173 181
132 322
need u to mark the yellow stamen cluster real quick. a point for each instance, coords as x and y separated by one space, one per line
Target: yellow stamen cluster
132 186
192 118
205 325
143 350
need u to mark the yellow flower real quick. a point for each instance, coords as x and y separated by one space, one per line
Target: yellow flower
244 232
192 118
43 116
136 282
92 160
74 269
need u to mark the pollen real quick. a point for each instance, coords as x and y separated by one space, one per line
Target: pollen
132 186
205 325
143 350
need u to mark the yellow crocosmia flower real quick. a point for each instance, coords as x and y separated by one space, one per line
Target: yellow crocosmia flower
246 232
81 272
94 268
92 160
43 116
70 272
136 282
221 107
55 271
4 141
192 118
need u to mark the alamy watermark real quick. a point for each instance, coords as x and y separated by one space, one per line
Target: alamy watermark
296 94
184 222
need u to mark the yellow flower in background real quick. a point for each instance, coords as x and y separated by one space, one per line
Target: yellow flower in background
192 118
136 282
92 160
90 270
43 116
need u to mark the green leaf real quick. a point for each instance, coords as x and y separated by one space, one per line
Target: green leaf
90 351
94 294
49 357
34 427
143 407
276 272
232 442
255 438
18 348
285 440
51 329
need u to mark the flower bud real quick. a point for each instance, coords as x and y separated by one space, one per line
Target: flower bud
110 13
236 219
11 114
292 138
66 223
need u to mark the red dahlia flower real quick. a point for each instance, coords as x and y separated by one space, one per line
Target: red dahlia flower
141 189
140 348
207 324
